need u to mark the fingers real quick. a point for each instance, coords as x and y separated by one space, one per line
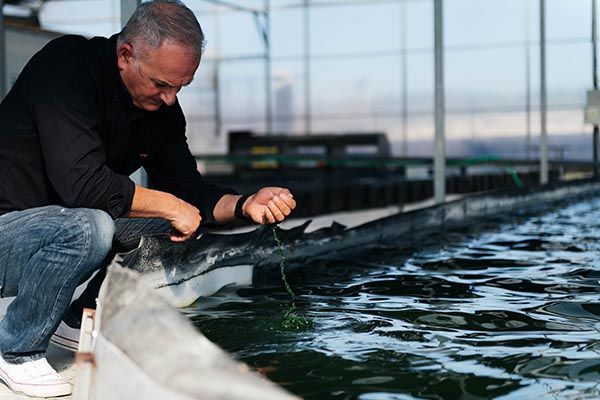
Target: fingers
288 199
186 225
268 218
275 212
281 206
282 192
178 237
274 205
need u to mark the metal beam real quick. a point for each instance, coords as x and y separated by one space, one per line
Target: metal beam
404 88
527 81
268 67
439 165
3 83
127 8
595 138
307 85
217 75
543 97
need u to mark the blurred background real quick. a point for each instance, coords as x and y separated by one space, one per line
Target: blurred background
321 68
366 66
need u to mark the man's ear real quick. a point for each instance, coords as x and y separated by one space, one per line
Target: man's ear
124 54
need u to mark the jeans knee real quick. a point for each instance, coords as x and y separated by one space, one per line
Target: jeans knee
102 230
94 229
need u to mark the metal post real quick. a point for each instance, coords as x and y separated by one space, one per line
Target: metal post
216 74
307 94
404 62
3 83
440 145
527 81
543 99
268 71
127 8
264 26
595 80
217 99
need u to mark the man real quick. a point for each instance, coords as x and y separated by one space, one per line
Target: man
81 117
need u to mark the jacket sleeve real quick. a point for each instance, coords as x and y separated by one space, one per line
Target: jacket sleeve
64 108
173 169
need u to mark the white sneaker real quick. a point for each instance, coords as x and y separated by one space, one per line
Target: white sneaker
66 337
34 378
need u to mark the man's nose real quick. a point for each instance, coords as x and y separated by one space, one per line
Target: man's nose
169 96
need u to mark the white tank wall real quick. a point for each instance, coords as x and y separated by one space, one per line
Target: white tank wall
144 348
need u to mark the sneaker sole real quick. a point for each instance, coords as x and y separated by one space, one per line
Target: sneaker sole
36 390
65 343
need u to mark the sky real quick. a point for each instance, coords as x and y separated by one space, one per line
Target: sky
356 70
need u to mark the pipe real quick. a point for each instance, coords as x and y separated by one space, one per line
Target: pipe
3 83
543 97
440 140
307 94
404 82
595 81
268 69
527 82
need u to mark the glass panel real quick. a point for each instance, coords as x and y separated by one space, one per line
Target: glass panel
355 29
420 83
288 97
287 33
419 24
485 78
356 69
238 35
568 81
84 17
476 22
568 19
242 90
355 86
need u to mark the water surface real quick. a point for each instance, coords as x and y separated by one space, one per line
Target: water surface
507 309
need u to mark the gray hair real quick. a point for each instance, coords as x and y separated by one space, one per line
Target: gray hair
156 21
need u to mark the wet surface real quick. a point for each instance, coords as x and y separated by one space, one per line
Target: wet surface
508 309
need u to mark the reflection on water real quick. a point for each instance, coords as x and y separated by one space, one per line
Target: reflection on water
510 311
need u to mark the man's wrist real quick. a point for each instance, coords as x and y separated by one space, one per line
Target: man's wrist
239 208
173 207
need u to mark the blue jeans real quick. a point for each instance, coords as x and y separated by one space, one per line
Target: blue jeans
45 253
127 237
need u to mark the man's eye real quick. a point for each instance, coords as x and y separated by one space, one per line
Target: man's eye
160 85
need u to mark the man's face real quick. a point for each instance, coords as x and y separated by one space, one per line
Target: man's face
157 76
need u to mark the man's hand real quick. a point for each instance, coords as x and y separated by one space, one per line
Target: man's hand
269 205
184 217
185 222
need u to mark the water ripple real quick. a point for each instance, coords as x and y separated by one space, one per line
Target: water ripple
507 309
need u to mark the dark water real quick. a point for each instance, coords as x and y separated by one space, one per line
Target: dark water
508 309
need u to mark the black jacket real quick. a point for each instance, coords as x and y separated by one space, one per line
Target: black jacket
70 135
